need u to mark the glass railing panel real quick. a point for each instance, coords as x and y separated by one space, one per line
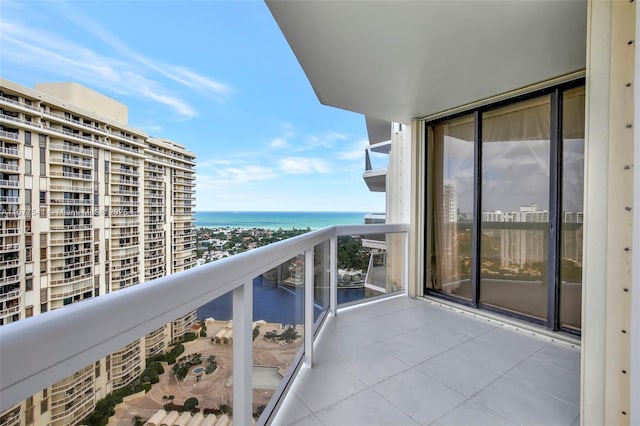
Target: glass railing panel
278 328
370 265
182 367
321 281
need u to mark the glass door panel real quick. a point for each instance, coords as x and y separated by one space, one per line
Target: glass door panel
515 217
453 206
572 209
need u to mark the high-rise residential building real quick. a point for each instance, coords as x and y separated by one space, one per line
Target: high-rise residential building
88 206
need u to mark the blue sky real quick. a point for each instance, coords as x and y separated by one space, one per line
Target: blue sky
215 76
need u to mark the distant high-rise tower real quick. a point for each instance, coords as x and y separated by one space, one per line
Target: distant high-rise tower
88 206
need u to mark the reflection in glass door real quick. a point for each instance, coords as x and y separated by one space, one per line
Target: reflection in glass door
572 208
453 207
515 213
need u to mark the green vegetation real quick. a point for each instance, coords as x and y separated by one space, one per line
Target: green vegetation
288 335
236 240
181 368
256 332
105 408
212 364
351 254
171 356
151 372
190 404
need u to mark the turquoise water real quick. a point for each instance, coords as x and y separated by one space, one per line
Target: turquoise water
276 220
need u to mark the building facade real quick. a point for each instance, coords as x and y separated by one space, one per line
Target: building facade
88 206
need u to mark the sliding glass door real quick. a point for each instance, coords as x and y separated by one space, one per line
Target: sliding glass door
504 199
515 207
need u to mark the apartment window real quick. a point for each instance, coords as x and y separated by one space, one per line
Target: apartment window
43 197
29 410
27 138
28 311
43 308
28 284
43 161
504 224
27 207
106 172
43 253
27 167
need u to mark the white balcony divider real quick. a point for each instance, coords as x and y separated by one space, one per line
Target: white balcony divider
39 351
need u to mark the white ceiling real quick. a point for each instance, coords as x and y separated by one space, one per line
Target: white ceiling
399 60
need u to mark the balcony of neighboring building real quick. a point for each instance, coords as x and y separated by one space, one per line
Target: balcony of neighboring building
9 150
10 134
67 147
12 416
9 165
375 172
68 172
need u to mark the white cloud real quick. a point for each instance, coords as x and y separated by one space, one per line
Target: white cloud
278 143
227 177
131 74
357 153
325 140
203 164
302 165
176 73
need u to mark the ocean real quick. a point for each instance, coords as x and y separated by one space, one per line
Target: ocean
274 304
277 220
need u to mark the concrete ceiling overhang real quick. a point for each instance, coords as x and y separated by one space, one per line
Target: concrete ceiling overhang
399 60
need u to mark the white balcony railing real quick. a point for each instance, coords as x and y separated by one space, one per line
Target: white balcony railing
62 334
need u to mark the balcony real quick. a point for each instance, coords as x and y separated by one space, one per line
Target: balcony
396 360
375 175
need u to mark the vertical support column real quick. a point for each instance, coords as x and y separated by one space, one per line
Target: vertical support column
477 210
308 307
635 260
608 226
555 211
242 354
620 225
333 272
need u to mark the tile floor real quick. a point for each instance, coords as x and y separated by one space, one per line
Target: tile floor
404 361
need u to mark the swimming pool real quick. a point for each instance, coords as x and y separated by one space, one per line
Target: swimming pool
266 377
198 370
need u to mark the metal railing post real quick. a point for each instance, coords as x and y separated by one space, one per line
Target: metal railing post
308 307
406 262
242 354
333 275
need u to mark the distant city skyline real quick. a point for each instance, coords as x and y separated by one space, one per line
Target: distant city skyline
222 81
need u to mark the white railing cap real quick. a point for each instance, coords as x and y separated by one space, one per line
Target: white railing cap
38 351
